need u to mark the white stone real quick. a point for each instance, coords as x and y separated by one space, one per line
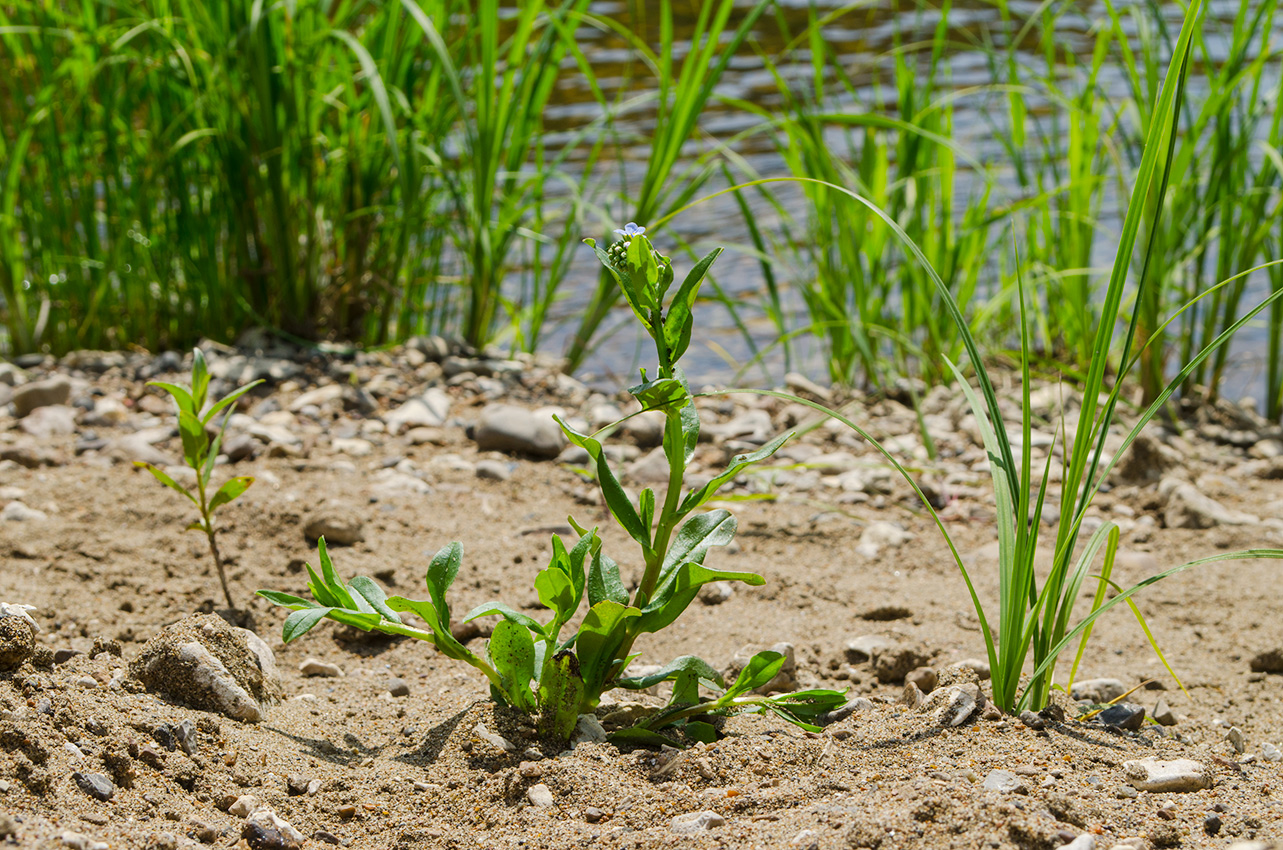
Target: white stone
540 796
18 512
1178 775
697 822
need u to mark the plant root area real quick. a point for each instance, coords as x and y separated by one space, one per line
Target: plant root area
383 743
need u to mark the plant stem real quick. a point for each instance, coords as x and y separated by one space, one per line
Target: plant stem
218 559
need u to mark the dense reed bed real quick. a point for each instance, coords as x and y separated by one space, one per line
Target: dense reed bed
364 170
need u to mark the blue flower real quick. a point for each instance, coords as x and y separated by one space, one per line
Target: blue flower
630 230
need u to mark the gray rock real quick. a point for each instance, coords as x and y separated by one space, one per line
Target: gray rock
953 705
429 410
1086 841
108 412
37 394
1033 720
1236 739
861 649
1123 715
340 526
316 667
243 805
881 535
493 470
76 841
54 420
893 663
509 428
844 711
1004 782
1163 714
398 687
697 822
95 785
1177 776
1269 661
645 429
318 397
491 738
266 830
202 662
1186 507
1271 753
924 677
1098 691
540 796
979 666
32 457
588 730
18 512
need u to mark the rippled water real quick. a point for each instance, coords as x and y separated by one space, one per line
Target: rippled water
864 37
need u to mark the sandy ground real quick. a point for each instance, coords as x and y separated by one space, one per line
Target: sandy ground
344 761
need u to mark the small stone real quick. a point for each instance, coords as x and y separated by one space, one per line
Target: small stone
1123 715
588 730
924 677
1004 782
493 470
540 796
496 740
17 640
716 592
953 705
893 663
1163 714
398 687
76 841
1177 776
842 712
1032 720
1269 661
317 667
266 830
509 428
243 805
1270 752
1212 824
296 785
1236 739
326 837
95 785
912 696
697 822
881 535
18 512
201 831
57 420
339 527
29 397
1186 507
1086 841
1098 691
593 815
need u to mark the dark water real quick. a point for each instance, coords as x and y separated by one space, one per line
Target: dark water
863 38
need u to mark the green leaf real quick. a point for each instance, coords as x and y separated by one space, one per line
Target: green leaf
195 442
507 613
703 494
229 399
636 736
182 398
286 600
512 652
556 592
301 622
696 537
363 620
369 590
231 489
616 499
680 321
164 478
671 599
809 704
441 574
646 507
660 393
760 669
691 664
319 589
200 380
604 581
599 639
333 583
698 730
561 693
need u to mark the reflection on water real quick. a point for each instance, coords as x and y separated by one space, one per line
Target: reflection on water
864 37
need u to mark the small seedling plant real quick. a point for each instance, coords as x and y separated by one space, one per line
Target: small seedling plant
200 452
536 667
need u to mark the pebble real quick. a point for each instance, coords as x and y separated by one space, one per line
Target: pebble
1187 507
1032 720
243 805
266 830
1098 691
953 705
588 730
1177 776
1086 841
1268 661
893 662
493 470
1163 714
95 785
697 822
18 512
37 394
842 712
1270 752
489 737
540 796
1236 739
317 667
429 410
339 526
1005 782
1211 824
76 841
513 429
398 687
56 420
1123 715
880 535
924 677
716 592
